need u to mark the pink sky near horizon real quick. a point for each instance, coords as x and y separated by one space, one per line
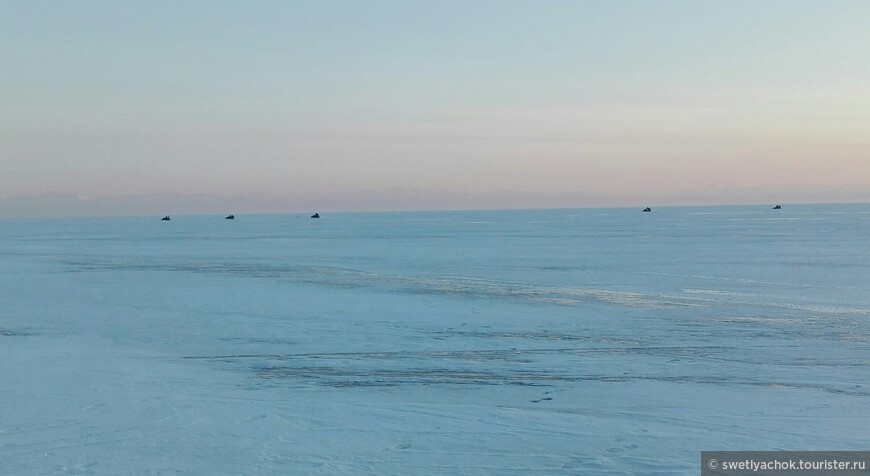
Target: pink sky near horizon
607 98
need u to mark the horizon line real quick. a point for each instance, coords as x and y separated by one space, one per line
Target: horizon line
305 214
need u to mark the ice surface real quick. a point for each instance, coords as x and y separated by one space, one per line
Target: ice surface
511 342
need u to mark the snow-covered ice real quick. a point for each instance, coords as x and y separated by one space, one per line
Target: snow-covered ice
501 342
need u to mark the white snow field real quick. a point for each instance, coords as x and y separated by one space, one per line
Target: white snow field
604 341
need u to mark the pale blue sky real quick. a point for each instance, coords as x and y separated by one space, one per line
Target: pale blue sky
609 97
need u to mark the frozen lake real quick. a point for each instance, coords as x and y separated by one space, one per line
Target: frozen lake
602 341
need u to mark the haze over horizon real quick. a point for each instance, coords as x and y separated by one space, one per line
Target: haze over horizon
432 104
399 200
